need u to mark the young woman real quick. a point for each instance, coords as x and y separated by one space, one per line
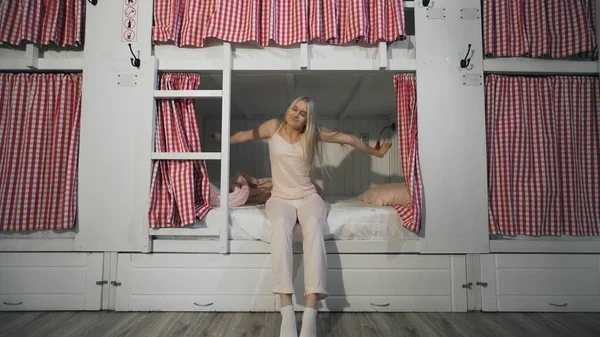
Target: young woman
293 144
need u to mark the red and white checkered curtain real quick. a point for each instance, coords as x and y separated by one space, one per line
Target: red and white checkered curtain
406 100
39 147
283 21
191 22
179 190
344 21
286 22
184 22
543 139
42 22
535 28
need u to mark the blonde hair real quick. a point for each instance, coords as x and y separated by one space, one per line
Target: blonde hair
312 132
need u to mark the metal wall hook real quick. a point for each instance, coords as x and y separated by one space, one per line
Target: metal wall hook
135 61
464 63
93 2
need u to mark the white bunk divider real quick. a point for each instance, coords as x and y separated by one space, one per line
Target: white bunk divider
185 232
536 66
42 64
186 156
225 143
188 93
303 56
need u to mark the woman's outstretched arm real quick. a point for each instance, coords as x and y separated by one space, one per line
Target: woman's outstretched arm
332 136
265 130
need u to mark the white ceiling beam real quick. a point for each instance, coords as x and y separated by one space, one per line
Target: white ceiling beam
344 110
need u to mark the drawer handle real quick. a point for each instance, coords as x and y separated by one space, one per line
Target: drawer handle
9 303
380 305
203 305
558 305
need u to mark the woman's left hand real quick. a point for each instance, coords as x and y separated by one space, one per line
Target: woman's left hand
384 149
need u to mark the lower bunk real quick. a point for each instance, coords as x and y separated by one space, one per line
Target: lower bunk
243 282
352 227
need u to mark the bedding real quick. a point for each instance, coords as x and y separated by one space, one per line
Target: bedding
386 195
347 219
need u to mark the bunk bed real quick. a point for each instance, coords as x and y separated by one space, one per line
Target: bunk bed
241 234
36 42
550 46
41 56
177 52
545 258
221 261
228 248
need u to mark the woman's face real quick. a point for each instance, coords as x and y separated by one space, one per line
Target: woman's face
296 116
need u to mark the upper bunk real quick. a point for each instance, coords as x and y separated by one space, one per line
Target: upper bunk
558 43
546 38
311 35
39 36
519 37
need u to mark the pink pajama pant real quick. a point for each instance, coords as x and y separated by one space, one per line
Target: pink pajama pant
310 212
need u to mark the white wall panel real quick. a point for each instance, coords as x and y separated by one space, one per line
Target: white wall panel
116 133
351 172
452 138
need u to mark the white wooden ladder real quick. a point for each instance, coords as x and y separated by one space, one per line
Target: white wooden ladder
225 94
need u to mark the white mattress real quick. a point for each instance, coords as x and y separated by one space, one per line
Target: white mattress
347 219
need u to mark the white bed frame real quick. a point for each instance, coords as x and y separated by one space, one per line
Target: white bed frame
206 271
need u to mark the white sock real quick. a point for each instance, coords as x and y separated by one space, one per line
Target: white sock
309 323
288 322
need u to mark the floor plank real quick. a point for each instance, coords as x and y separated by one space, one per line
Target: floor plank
188 324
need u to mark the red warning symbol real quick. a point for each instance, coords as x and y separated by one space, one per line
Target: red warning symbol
129 23
129 35
130 12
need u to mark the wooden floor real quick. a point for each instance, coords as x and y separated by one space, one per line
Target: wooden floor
155 324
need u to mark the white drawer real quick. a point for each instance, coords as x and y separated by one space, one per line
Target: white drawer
394 283
244 282
202 303
50 281
381 304
540 282
42 302
194 282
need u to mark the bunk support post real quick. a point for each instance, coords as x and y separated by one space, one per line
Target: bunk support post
304 56
383 57
225 144
146 179
33 55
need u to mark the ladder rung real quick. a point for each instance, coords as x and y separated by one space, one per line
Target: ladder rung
188 93
185 232
186 155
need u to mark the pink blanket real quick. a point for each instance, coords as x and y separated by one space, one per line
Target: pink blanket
239 191
246 189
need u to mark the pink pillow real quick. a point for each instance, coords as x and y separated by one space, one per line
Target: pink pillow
237 197
386 195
